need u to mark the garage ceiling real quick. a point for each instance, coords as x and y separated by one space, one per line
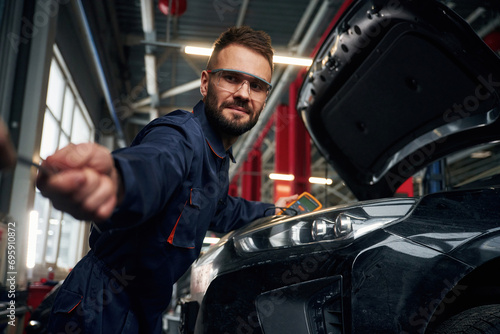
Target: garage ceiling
295 28
118 24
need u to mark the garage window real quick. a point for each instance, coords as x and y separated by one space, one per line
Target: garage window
59 237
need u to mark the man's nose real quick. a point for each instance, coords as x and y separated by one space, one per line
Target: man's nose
243 92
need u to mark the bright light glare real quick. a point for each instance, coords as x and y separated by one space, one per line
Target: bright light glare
53 221
33 227
481 155
320 180
151 84
194 50
281 177
210 240
292 61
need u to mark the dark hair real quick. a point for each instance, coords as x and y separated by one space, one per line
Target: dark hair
256 40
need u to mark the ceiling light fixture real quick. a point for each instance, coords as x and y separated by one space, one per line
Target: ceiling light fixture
281 177
292 61
481 154
199 51
194 50
320 180
151 84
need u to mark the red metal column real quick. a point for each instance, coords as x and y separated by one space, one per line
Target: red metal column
299 144
293 147
282 148
233 186
251 178
493 40
252 169
406 188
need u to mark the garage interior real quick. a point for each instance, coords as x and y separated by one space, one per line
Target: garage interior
123 63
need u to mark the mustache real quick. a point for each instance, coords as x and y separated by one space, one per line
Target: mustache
237 103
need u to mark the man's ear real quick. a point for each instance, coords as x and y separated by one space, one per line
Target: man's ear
204 83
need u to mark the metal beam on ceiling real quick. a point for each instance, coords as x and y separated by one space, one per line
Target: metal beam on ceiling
148 27
310 10
475 15
111 7
191 85
242 13
302 24
84 24
489 27
187 86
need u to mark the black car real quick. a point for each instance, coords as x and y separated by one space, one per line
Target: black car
395 86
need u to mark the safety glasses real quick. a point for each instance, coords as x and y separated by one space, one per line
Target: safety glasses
232 81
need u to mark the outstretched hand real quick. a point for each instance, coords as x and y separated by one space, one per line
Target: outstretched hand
81 180
282 202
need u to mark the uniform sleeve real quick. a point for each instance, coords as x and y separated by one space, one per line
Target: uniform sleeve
238 212
152 171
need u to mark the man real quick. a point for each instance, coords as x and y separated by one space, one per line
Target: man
155 200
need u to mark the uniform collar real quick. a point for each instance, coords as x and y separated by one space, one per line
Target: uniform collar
213 139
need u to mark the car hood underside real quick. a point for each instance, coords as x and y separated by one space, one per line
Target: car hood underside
396 86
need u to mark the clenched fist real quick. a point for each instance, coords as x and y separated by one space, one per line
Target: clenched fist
81 180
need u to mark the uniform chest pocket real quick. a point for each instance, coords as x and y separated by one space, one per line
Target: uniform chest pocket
66 302
184 231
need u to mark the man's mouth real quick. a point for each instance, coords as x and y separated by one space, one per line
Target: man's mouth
240 109
237 107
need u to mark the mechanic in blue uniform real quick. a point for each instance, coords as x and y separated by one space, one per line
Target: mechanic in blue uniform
154 201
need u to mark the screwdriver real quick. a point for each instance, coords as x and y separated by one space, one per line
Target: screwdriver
28 162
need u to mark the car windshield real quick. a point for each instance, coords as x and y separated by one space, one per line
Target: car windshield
479 165
473 165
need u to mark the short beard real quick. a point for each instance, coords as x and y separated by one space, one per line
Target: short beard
227 126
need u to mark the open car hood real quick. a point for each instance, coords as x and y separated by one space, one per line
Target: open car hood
396 85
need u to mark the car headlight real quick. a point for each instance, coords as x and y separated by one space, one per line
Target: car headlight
336 225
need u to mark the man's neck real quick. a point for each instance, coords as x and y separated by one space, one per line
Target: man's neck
228 141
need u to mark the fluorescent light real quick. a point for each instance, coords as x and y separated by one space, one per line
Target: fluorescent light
320 180
481 155
210 240
32 232
194 50
151 84
147 14
281 177
292 61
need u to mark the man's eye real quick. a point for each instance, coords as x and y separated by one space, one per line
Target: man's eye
257 86
230 78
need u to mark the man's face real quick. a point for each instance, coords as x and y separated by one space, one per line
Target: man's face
229 113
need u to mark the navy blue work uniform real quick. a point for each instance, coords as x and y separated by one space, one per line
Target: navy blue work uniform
175 176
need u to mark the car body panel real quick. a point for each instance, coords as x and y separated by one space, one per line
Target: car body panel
390 279
397 286
445 223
